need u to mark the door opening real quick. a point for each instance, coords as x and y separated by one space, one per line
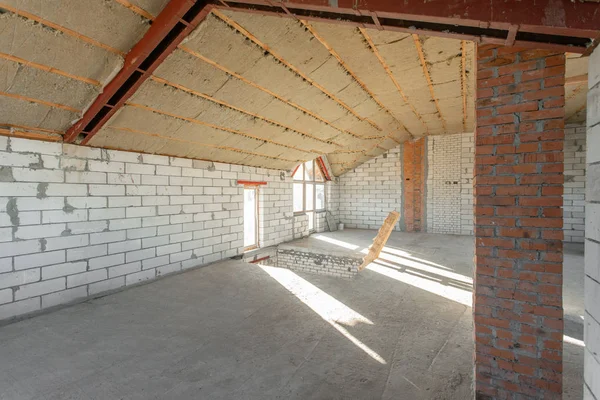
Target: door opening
250 218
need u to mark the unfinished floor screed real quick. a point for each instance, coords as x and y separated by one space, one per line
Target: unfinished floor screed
400 329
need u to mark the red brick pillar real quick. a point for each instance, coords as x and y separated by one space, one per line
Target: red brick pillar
413 170
517 300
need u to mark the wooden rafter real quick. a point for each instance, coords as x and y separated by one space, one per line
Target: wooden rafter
62 29
463 81
225 104
575 80
336 55
38 101
576 91
49 69
136 9
266 48
214 146
30 128
221 128
25 134
269 92
391 76
428 78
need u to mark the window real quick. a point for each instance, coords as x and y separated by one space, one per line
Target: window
309 191
250 218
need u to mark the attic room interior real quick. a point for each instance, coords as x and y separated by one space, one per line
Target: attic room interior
325 199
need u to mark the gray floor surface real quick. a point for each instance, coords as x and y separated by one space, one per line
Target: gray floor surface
402 329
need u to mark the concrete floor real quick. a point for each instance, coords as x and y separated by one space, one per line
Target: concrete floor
400 330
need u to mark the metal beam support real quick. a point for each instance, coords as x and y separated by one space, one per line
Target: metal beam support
558 25
174 23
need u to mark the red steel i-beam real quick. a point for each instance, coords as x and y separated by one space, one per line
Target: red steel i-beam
174 23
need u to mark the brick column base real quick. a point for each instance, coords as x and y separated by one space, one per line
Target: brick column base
517 300
413 174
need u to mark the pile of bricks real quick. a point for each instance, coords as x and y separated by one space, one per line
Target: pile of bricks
318 261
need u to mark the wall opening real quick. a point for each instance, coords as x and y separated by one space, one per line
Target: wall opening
250 218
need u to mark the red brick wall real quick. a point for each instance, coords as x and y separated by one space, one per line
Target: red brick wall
518 223
413 173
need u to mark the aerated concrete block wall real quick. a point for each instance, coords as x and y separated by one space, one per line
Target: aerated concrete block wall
369 192
77 221
450 184
574 195
592 234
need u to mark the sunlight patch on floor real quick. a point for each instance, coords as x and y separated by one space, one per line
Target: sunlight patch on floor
424 282
327 307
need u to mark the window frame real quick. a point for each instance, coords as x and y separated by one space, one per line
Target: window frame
314 182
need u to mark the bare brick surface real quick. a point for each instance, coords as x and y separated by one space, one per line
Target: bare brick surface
413 168
518 224
91 220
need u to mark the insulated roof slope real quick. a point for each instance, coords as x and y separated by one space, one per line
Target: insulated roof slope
56 57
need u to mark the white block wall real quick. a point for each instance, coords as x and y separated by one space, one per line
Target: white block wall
592 234
78 221
574 195
369 192
449 184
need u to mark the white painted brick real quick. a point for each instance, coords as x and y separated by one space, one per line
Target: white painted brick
180 181
39 231
57 216
87 202
5 265
181 256
6 296
124 269
141 232
133 212
168 170
39 288
85 177
87 227
19 278
140 276
104 286
86 278
168 249
58 270
155 200
168 269
123 156
18 248
66 189
76 151
50 162
137 190
107 213
66 242
155 180
167 210
155 262
107 190
127 223
38 175
5 234
104 166
82 253
19 308
16 189
181 218
155 221
39 259
63 297
155 241
180 162
106 261
35 204
124 246
107 237
140 254
18 160
155 159
19 145
125 201
124 179
141 169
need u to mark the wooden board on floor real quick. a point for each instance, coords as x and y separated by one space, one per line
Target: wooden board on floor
381 239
